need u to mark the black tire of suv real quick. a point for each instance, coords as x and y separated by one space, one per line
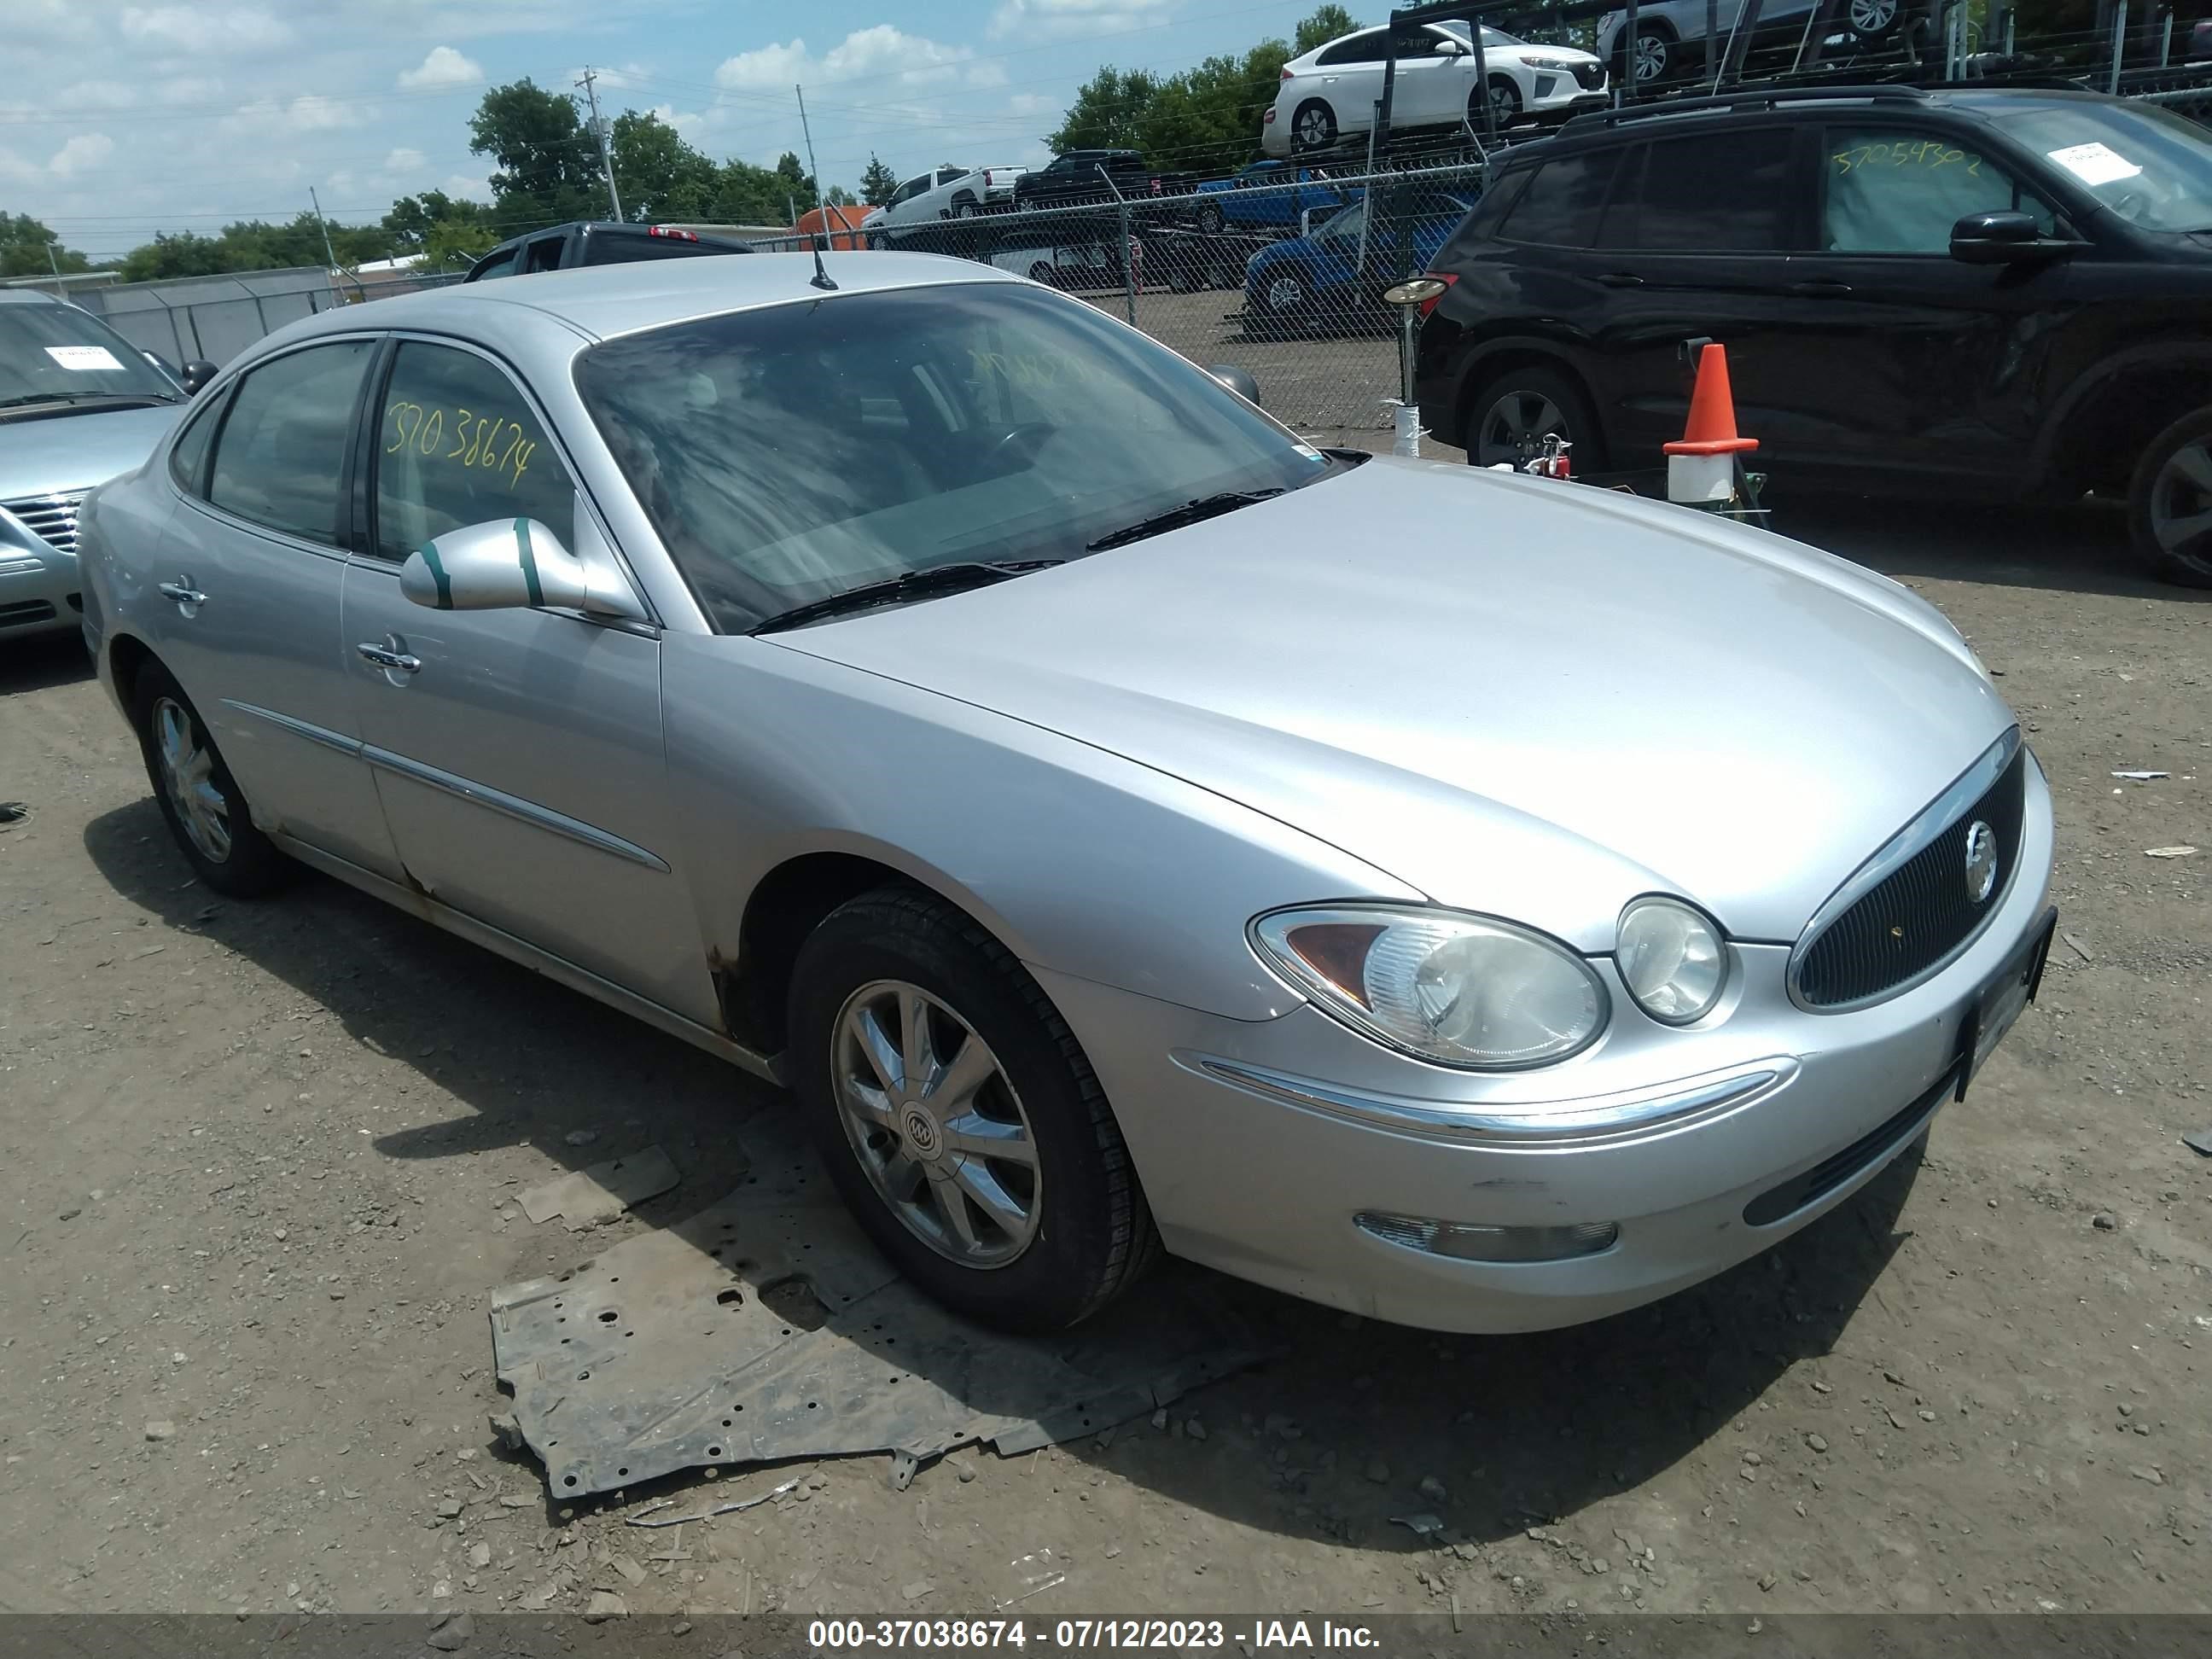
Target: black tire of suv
1094 1236
2160 487
1565 396
251 865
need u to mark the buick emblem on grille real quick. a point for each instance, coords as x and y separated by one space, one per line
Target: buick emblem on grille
1981 861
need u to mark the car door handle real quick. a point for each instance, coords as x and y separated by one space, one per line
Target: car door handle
183 592
384 657
1621 279
1819 290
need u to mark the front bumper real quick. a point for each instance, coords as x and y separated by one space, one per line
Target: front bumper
40 590
1260 1142
1558 91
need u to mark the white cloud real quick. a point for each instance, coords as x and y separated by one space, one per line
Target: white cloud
443 67
884 52
197 30
404 160
86 149
1060 18
1033 103
476 187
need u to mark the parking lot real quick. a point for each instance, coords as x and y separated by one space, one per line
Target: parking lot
259 1175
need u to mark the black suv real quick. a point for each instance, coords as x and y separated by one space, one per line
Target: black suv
1080 176
2003 292
595 242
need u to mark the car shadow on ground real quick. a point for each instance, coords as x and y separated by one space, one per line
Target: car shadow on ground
1519 1429
41 662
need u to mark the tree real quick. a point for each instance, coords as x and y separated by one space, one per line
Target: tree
1106 111
877 182
29 248
838 196
1326 23
1208 117
414 219
549 167
661 175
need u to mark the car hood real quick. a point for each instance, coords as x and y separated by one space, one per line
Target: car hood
1515 696
61 455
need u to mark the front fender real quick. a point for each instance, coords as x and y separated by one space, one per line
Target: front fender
1077 860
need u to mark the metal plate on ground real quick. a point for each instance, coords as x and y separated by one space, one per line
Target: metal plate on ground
767 1327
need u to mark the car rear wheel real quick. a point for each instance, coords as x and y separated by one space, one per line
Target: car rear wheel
197 796
1314 125
964 208
1209 219
2170 503
1504 103
1513 412
959 1118
1872 20
1654 57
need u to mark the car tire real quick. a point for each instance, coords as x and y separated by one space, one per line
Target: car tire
1872 20
1042 273
1654 58
964 208
198 797
1505 100
879 240
1209 219
1286 297
2170 492
1542 399
1313 125
1034 1236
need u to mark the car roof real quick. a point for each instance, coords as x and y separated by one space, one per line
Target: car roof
600 301
1641 121
29 296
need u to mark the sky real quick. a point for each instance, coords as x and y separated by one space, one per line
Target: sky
117 119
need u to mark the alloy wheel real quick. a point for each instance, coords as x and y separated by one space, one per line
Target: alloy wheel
1285 294
1651 55
1872 16
1315 127
1513 428
2181 505
935 1124
188 775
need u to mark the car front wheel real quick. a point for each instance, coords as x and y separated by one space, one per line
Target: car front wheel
2170 503
959 1118
1209 219
197 796
1504 103
1512 413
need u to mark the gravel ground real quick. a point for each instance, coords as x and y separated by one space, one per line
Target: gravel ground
257 1164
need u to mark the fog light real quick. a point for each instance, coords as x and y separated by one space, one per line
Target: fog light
1474 1240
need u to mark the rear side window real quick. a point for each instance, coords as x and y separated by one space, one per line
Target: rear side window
188 455
544 253
1900 192
1354 49
1680 207
282 450
1559 207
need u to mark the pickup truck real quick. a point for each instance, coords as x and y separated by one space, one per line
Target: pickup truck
595 242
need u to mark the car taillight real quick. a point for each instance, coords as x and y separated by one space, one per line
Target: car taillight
673 234
1268 119
1287 76
1443 277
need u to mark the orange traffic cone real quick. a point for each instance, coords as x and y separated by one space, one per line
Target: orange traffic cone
1701 465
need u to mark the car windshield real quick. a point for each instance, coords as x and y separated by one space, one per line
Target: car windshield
1491 39
57 354
2151 166
794 452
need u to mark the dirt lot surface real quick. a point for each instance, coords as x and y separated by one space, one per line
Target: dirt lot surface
257 1164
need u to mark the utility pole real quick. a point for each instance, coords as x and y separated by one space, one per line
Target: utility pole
327 252
600 133
807 133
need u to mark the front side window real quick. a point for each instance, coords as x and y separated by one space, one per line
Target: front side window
2148 165
1559 207
1677 210
789 454
282 450
1893 191
56 354
498 264
457 444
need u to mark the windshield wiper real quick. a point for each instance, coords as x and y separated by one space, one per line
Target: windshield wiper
70 399
909 585
1206 507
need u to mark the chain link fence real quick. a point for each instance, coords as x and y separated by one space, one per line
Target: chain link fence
1284 281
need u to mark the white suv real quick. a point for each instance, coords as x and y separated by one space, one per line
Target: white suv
1330 93
1670 34
950 193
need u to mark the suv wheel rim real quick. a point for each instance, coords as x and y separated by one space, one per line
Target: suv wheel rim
2181 505
936 1124
1651 52
188 775
1514 427
1869 16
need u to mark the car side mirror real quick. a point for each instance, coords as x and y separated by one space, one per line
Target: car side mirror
1238 380
196 374
2001 239
504 564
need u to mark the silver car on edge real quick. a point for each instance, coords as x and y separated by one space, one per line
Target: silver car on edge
1477 901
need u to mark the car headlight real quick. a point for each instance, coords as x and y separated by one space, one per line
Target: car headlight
1461 990
1547 63
1672 959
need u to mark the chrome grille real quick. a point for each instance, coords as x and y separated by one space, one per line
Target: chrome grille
1921 911
51 518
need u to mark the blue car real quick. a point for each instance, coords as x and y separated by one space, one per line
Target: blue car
1264 195
1328 275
